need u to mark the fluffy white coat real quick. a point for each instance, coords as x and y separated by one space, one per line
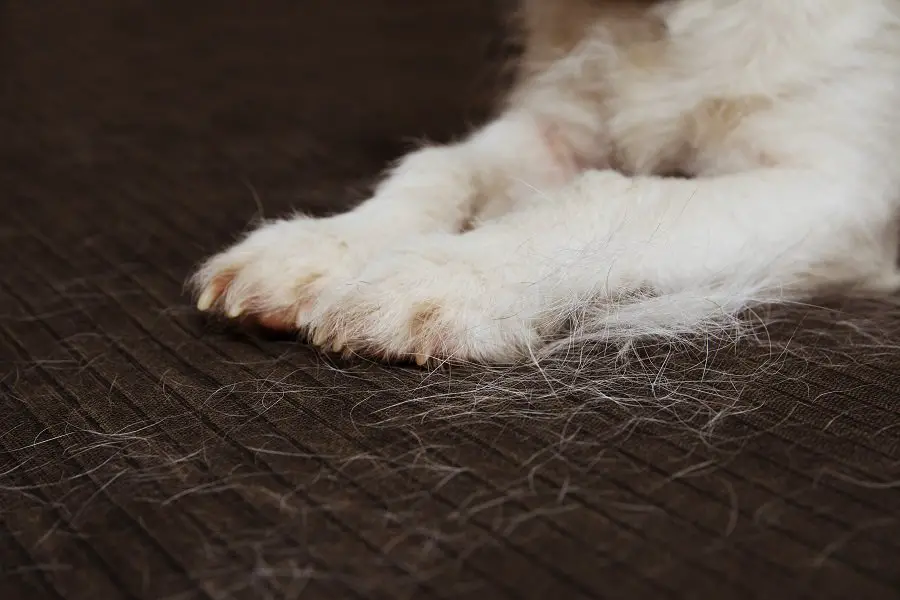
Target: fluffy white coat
782 116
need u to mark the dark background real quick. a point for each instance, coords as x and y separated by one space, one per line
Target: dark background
147 454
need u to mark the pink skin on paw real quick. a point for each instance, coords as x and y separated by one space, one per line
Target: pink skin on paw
283 320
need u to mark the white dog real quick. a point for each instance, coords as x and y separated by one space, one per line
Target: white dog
781 116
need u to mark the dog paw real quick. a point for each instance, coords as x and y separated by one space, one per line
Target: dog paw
427 303
277 271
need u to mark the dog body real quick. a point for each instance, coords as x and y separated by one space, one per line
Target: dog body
781 118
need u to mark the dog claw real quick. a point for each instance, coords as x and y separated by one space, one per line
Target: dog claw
207 298
320 338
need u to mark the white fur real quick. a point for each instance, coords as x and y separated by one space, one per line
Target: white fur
557 210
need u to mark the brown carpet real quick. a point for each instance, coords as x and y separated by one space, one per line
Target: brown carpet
147 454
